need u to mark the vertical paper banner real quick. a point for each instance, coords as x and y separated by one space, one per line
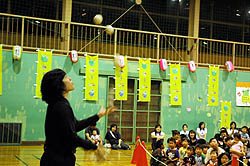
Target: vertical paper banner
175 84
213 86
225 114
91 81
44 64
144 80
121 81
1 69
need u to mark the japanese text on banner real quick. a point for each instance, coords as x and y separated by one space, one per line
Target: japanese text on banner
91 80
213 86
225 114
44 65
144 80
121 81
175 85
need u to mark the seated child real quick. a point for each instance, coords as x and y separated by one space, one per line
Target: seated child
172 153
159 154
183 149
213 161
244 137
189 159
204 149
199 157
223 159
237 148
96 138
177 137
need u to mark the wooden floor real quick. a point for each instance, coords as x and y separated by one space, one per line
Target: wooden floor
30 156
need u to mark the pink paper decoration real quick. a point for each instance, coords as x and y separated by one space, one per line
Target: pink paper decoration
73 56
120 61
229 66
163 64
191 66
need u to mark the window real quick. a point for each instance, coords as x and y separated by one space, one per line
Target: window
135 118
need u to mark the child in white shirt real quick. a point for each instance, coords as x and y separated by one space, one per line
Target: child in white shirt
96 138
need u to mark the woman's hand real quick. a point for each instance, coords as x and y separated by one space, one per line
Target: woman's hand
119 144
102 112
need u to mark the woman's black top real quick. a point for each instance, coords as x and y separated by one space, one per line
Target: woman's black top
113 138
61 128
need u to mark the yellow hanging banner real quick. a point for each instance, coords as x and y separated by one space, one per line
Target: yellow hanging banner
175 84
121 81
1 69
91 80
213 86
225 114
44 65
144 80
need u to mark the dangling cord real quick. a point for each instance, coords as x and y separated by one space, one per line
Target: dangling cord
105 29
161 32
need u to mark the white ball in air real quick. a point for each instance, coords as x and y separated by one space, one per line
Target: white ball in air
98 19
109 29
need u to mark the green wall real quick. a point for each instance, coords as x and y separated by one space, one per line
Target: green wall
18 105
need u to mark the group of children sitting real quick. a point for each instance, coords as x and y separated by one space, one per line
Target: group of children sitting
187 148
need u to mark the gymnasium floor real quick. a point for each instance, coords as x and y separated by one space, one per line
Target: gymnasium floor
30 156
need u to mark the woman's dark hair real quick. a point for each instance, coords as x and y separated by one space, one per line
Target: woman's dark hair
221 155
52 86
113 125
192 131
184 126
234 124
200 124
157 125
